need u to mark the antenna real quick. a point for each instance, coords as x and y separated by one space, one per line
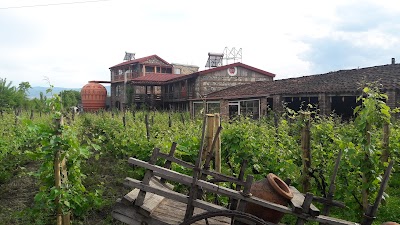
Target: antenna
129 56
232 54
214 60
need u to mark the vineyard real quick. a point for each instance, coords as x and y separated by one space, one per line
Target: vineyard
96 148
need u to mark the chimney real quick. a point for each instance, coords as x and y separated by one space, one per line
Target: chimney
393 61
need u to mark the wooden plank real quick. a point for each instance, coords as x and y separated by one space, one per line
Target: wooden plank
171 195
147 176
297 202
175 160
129 215
151 200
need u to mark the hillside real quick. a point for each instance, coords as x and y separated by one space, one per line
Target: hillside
34 92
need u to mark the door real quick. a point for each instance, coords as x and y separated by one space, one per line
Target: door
234 109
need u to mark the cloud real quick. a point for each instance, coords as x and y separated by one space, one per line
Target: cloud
363 35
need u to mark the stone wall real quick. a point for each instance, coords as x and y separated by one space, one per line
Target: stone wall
219 80
154 61
185 69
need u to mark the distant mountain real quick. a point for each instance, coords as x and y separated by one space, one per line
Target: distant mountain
34 92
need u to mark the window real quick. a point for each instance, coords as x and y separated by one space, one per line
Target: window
211 107
250 108
119 72
149 69
118 90
177 71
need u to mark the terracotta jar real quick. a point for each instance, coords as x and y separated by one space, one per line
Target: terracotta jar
93 97
390 223
271 189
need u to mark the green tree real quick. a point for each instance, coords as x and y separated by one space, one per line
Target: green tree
70 98
7 93
39 104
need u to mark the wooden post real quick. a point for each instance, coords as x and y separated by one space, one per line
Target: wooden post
146 120
371 211
234 202
213 122
332 186
169 120
306 154
124 118
305 208
196 175
60 175
182 119
385 143
365 175
31 117
168 163
246 192
216 145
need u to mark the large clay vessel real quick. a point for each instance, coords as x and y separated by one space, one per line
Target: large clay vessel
93 97
272 189
390 223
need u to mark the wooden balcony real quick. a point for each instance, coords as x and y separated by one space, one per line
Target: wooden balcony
121 78
168 97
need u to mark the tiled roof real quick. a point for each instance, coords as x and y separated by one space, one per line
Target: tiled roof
156 78
239 65
334 82
140 60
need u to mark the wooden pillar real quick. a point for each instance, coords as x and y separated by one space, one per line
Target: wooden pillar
213 122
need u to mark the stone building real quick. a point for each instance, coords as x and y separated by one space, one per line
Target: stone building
130 79
333 92
153 82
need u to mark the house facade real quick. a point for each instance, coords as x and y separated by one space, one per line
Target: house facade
155 83
334 92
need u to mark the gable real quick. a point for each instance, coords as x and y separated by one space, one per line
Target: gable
155 61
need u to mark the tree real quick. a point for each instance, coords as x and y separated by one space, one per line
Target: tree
7 94
70 98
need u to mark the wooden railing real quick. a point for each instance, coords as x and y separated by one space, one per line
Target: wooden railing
119 78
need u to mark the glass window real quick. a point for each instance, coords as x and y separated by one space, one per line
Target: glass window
250 108
198 109
212 107
177 71
149 69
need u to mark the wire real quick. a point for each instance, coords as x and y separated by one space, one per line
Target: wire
53 4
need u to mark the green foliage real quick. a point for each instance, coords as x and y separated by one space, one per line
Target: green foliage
58 142
12 97
269 144
70 98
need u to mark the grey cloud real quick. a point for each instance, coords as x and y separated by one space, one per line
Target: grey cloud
348 46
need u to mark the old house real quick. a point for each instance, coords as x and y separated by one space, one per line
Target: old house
153 82
333 92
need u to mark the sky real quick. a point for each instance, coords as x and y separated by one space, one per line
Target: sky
67 43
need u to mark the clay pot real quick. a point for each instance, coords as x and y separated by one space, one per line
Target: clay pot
390 223
271 189
93 97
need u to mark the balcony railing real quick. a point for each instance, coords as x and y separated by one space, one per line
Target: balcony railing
129 76
168 97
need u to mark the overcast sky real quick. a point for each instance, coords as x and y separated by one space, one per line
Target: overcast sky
71 44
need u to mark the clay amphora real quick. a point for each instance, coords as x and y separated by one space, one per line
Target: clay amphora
272 189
